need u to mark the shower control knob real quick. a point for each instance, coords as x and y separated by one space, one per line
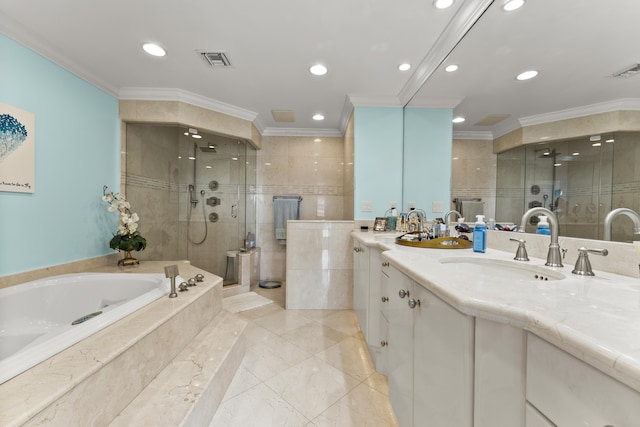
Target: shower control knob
191 282
199 278
183 287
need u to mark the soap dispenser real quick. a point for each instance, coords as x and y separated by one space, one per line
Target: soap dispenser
479 235
543 226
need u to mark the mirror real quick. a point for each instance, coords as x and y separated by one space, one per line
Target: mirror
576 52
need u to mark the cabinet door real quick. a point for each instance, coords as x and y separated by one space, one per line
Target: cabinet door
375 297
499 372
535 419
571 393
361 285
400 348
443 363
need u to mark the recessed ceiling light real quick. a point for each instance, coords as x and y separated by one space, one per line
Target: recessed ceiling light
318 117
510 5
458 120
208 166
576 154
404 67
442 4
196 136
610 140
318 70
596 144
527 75
557 164
317 140
451 68
154 49
192 158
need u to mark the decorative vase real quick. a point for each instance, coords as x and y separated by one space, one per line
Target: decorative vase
128 259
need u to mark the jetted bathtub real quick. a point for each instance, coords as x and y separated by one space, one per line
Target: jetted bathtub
41 318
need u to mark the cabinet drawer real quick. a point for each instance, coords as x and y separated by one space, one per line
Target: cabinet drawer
571 393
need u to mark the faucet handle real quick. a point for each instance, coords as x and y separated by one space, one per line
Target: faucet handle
583 265
521 253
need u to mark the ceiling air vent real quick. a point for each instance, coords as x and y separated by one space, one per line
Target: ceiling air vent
215 59
628 71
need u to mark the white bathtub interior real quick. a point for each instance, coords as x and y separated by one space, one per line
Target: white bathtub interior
36 317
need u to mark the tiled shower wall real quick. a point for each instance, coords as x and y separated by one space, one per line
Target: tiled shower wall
312 167
157 176
473 173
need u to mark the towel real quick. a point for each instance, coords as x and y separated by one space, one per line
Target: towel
283 211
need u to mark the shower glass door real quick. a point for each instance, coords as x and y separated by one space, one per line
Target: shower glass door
194 192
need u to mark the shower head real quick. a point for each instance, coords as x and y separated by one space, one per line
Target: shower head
208 148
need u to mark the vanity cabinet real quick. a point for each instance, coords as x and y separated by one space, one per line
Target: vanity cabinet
361 285
568 392
429 355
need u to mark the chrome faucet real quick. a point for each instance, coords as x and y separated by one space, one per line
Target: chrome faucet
621 211
421 218
171 272
554 257
446 216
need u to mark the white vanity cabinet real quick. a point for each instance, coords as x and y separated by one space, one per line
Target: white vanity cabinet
429 355
568 392
361 285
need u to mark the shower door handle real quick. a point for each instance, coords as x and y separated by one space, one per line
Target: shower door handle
234 211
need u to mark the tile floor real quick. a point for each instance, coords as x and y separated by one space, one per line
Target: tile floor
304 368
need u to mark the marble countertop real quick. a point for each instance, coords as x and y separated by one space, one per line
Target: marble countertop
596 319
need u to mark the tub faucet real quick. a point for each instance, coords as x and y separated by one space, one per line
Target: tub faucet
554 257
621 211
171 272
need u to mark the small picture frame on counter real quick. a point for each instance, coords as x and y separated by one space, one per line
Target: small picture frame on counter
380 224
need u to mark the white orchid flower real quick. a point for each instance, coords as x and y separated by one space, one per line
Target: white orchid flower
135 217
112 208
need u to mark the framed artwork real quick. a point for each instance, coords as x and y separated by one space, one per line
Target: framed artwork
17 150
380 224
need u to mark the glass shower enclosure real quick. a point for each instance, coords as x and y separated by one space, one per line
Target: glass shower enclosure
194 192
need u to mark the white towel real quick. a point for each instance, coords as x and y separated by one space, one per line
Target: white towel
283 211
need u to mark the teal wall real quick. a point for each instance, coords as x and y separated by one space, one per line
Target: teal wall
403 156
377 159
77 151
428 139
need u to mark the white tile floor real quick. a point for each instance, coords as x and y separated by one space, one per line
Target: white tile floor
304 368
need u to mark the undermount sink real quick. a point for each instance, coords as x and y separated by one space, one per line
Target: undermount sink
509 270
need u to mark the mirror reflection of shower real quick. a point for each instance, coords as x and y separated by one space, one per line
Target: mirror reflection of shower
193 200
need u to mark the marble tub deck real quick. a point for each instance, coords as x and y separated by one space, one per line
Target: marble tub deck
90 382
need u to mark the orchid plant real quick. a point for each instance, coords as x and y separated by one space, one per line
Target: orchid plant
128 237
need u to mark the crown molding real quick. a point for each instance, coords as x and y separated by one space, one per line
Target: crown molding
347 109
448 103
483 135
326 132
587 110
462 21
374 101
174 94
18 33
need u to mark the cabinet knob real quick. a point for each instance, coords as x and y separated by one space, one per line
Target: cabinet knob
383 343
385 264
357 249
402 293
385 299
414 302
